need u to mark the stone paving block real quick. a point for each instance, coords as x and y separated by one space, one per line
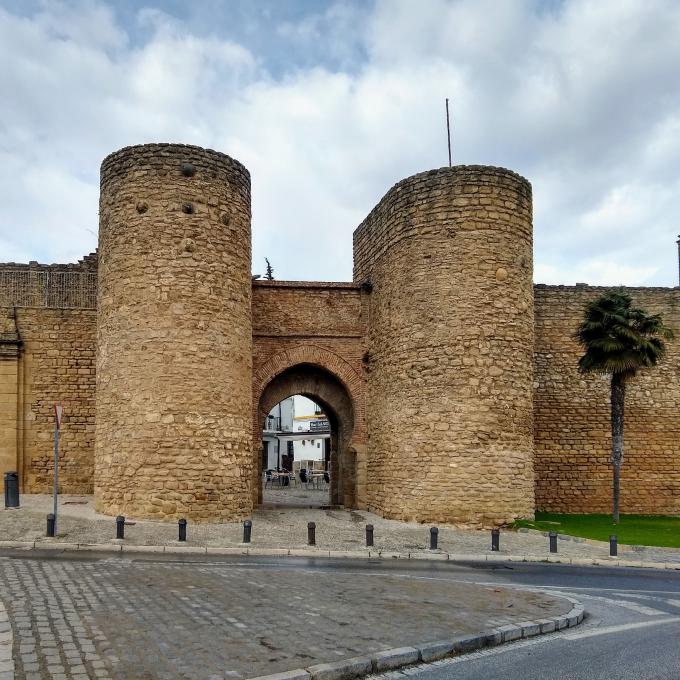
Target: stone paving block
433 556
494 637
129 548
529 628
432 651
100 547
226 551
395 658
341 670
268 552
511 632
188 549
468 643
547 625
299 674
55 545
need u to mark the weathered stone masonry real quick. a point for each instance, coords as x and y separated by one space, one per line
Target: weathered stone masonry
450 380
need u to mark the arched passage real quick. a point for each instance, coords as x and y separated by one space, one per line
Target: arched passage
323 387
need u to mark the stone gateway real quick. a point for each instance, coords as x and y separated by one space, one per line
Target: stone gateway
449 379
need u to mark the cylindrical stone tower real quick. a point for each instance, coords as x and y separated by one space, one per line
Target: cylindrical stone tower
174 339
448 254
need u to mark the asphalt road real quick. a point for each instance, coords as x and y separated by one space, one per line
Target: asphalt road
632 628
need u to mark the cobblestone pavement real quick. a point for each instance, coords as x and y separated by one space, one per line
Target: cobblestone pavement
285 527
145 620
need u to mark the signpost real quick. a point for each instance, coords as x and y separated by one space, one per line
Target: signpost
58 411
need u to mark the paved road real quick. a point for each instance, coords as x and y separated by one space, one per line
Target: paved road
77 616
632 631
162 616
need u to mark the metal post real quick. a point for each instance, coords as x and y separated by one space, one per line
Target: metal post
448 130
247 530
11 490
553 541
495 540
51 525
56 471
434 536
311 533
369 535
120 526
613 546
182 529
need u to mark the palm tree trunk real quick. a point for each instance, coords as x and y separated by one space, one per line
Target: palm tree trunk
618 398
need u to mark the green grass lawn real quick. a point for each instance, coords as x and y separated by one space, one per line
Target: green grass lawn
659 530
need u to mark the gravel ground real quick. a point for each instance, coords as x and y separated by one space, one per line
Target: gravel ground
277 526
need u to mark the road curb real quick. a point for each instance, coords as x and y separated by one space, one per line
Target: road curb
401 657
434 556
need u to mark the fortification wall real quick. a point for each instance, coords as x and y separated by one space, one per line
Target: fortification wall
571 413
174 337
57 364
450 429
58 286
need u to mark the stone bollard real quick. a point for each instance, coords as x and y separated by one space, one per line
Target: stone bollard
553 541
247 530
120 526
311 533
182 524
495 540
434 537
369 535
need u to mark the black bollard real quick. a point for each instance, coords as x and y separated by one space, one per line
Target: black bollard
553 541
613 546
247 529
434 535
11 490
311 533
182 529
495 540
369 535
120 526
50 525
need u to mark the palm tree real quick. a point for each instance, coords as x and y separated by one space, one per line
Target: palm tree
619 340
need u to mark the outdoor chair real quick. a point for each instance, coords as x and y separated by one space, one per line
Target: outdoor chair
303 477
268 478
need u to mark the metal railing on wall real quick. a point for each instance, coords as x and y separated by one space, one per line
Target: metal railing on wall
53 289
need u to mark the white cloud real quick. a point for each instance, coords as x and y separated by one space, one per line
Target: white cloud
582 98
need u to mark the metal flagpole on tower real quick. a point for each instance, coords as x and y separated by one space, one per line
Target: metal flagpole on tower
678 242
448 129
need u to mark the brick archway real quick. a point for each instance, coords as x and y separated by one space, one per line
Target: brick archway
307 354
329 380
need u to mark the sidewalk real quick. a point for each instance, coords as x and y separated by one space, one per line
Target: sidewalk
281 529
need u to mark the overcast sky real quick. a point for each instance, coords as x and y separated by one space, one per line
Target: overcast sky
330 103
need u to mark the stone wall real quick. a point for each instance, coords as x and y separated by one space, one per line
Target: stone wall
450 438
59 286
174 336
571 413
56 364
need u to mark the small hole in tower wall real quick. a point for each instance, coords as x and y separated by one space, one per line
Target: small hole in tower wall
188 208
188 170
